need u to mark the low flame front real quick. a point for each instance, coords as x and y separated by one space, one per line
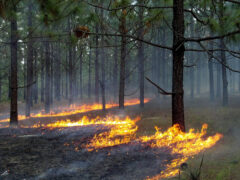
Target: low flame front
123 131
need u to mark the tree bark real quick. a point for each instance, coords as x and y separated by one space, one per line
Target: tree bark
29 95
141 55
14 72
57 80
47 77
223 60
115 70
224 76
178 57
89 74
210 70
103 67
97 64
123 32
42 75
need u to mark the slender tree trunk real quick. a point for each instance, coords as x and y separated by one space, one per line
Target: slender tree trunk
66 77
115 70
42 75
223 60
29 95
51 73
178 58
36 79
81 75
103 66
14 73
123 32
224 76
57 80
210 69
97 64
89 74
141 55
47 77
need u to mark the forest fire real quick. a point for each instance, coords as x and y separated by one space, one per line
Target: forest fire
123 131
116 131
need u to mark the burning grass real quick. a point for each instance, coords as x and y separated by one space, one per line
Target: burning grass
158 155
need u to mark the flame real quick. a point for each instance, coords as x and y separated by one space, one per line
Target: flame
186 144
123 131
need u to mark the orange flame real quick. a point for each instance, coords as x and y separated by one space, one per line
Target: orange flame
123 131
186 144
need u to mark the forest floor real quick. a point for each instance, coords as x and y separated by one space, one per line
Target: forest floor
50 156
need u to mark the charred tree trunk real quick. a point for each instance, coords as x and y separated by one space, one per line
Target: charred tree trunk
141 55
47 77
14 72
123 32
178 58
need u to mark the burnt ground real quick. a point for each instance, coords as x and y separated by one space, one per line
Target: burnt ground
44 154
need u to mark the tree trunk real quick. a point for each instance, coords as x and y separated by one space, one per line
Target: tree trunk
51 73
14 73
89 74
115 70
210 69
178 57
35 91
223 60
123 32
47 77
29 95
141 55
103 66
57 80
81 75
42 75
224 76
97 64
